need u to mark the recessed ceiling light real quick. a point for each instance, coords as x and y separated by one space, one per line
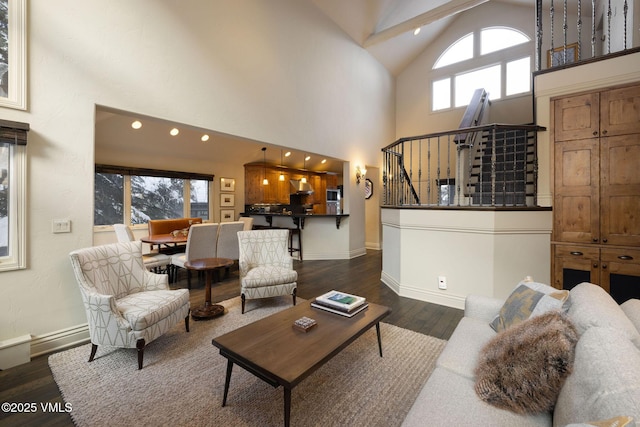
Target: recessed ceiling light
136 124
205 138
287 154
174 131
323 161
307 158
416 31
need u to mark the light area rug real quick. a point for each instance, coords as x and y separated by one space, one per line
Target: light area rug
182 381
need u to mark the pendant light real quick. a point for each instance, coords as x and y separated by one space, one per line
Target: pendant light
265 181
281 177
304 167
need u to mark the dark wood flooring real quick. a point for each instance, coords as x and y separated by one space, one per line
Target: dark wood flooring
33 382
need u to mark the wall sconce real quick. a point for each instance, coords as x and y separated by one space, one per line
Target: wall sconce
360 174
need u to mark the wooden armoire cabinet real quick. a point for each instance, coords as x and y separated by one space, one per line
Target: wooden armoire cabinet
596 198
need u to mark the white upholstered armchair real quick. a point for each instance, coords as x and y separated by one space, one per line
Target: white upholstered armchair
127 305
266 268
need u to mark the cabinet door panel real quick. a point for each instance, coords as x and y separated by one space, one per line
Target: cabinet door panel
620 190
573 265
620 273
576 191
576 117
620 111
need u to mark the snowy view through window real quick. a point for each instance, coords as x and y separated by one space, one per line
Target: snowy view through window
151 198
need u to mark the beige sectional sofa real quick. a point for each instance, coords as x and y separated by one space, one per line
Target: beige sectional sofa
604 383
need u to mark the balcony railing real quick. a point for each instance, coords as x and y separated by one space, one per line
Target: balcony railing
492 165
571 31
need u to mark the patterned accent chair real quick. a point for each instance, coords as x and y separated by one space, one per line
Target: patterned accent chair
127 305
266 268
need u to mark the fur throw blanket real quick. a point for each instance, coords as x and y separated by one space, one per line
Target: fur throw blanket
523 368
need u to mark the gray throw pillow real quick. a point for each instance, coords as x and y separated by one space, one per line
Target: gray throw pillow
527 300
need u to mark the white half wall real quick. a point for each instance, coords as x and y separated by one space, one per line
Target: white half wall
479 252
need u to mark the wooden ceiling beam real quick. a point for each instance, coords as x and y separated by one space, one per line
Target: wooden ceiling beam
449 9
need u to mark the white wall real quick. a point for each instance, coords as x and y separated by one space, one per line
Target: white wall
413 104
269 71
479 252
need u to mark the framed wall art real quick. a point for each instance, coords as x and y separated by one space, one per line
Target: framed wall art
227 215
227 184
555 57
227 199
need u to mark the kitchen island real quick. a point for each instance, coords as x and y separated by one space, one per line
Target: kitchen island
297 218
323 236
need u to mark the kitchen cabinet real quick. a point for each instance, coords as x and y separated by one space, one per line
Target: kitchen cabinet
596 185
278 192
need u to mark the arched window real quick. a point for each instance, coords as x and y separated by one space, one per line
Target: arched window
497 59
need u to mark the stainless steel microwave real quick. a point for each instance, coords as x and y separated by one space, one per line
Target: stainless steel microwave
333 195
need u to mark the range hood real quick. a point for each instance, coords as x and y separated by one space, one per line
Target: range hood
300 187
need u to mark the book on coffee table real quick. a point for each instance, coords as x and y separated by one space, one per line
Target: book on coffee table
340 301
340 312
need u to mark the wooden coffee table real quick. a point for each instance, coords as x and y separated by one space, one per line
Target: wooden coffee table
280 355
210 266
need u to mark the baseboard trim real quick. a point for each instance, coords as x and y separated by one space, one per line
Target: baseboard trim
14 351
454 301
59 340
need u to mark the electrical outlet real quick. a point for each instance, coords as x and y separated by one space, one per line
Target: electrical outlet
61 226
442 282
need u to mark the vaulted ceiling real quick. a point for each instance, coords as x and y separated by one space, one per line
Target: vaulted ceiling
385 28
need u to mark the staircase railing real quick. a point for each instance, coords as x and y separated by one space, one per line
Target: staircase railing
498 169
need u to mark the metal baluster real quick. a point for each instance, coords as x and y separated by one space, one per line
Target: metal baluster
551 13
534 136
429 170
579 28
493 166
470 163
538 64
420 169
625 9
593 28
609 27
438 172
565 28
448 169
459 173
411 180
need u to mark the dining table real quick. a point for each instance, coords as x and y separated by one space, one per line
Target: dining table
167 243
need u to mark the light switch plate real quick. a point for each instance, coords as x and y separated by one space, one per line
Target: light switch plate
61 226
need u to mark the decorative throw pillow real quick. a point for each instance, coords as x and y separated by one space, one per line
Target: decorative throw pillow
527 300
523 368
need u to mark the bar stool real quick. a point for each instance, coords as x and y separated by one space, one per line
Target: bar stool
295 232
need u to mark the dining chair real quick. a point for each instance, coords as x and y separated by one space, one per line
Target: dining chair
126 305
152 261
201 243
248 222
227 244
266 268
